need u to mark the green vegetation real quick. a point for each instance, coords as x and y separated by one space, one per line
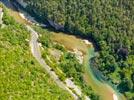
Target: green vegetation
109 23
21 77
67 66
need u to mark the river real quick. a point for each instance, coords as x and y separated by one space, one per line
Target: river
92 76
96 80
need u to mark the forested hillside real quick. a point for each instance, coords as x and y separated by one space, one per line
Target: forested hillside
21 77
110 23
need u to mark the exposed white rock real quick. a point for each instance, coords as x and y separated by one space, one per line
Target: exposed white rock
40 44
115 97
71 85
79 55
87 42
27 18
1 15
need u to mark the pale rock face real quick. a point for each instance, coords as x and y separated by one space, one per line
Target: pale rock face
78 91
71 85
115 97
78 54
87 42
40 44
22 3
1 15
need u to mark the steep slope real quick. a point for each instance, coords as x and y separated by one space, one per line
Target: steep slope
21 77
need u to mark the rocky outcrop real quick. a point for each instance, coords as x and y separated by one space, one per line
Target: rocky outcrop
22 3
1 15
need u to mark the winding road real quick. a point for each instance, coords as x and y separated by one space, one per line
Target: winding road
35 49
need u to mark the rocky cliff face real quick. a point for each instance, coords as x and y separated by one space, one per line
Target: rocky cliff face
22 3
1 15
